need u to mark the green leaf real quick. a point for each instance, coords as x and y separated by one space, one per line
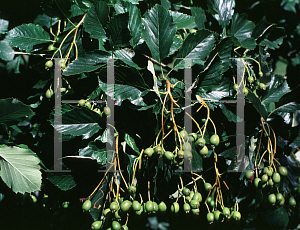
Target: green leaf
6 51
88 63
278 87
76 11
289 5
106 137
290 107
230 115
197 162
228 153
210 79
260 28
279 218
133 1
118 31
20 169
177 43
26 36
45 20
196 46
224 49
166 4
126 56
64 181
96 19
200 17
242 29
135 23
84 5
181 20
77 121
159 32
274 38
3 26
130 141
222 10
296 142
94 153
12 110
217 94
260 108
14 64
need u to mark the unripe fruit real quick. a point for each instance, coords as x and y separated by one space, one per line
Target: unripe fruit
175 207
235 86
279 197
184 134
124 227
116 225
260 74
188 155
131 189
125 206
283 171
207 187
51 47
49 64
276 177
196 211
136 206
86 205
158 151
81 102
141 211
117 215
217 215
210 217
262 86
270 171
212 203
214 140
180 154
200 142
192 137
186 208
236 215
249 174
34 200
272 198
186 191
265 178
187 146
96 225
114 206
204 151
195 204
251 79
107 111
148 152
226 212
282 202
292 201
155 207
209 199
162 206
257 182
49 93
270 182
149 206
192 193
197 196
169 155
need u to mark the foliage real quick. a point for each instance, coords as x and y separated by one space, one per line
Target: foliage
142 81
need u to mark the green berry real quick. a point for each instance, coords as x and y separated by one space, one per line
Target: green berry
148 152
196 211
149 206
192 137
125 206
186 208
270 171
136 206
162 206
169 155
188 155
210 217
175 207
265 178
34 199
257 182
187 146
81 102
86 205
195 204
204 151
184 135
249 174
207 187
272 198
197 196
155 207
114 206
107 111
236 215
235 86
246 91
200 142
88 105
132 189
214 140
186 191
116 225
124 227
51 47
96 225
217 215
226 212
49 93
180 154
65 204
158 151
262 86
49 64
251 79
270 182
276 177
292 201
283 171
279 197
106 211
260 74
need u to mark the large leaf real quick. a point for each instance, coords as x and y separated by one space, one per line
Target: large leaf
126 56
196 46
159 32
274 38
181 20
177 43
242 29
135 23
77 121
20 169
224 49
118 31
278 88
26 36
6 51
230 115
11 110
200 17
210 79
279 218
222 10
290 107
64 181
93 152
260 108
88 63
96 19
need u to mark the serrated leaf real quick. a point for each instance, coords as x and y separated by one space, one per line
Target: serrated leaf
200 17
278 87
177 43
126 56
222 10
135 23
118 31
45 20
64 181
224 49
77 121
296 142
84 5
181 20
242 30
26 36
166 4
6 51
260 28
279 218
197 162
228 153
260 108
274 38
210 79
96 19
107 137
88 63
3 26
130 141
76 11
20 169
290 107
196 46
11 110
159 32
